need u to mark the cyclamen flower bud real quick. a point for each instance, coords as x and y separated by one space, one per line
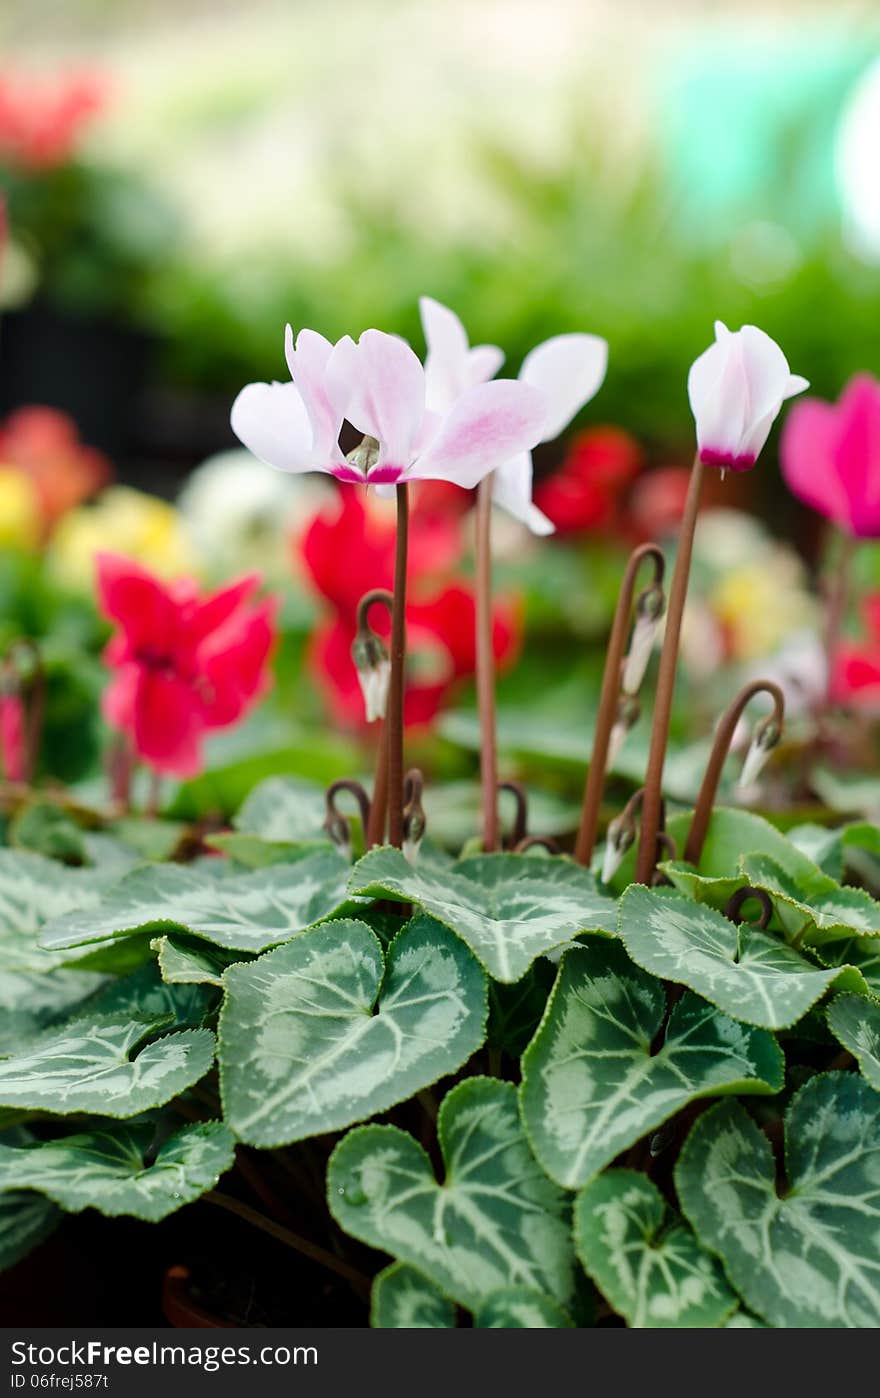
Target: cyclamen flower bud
339 830
414 823
620 838
649 610
628 712
374 672
763 742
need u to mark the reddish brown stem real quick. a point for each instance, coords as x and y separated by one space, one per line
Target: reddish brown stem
394 720
651 803
595 783
486 667
375 831
718 756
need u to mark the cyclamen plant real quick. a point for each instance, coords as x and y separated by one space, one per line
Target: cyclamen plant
554 1092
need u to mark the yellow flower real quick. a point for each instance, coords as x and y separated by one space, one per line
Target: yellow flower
124 521
759 604
21 518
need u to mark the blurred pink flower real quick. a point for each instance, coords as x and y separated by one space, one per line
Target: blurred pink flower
855 675
378 385
41 121
830 456
44 444
13 736
736 388
183 664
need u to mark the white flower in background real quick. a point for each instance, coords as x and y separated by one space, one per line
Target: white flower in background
568 370
736 389
240 514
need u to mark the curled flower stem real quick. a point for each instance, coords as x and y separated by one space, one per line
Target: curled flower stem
374 828
486 667
651 804
718 756
595 784
745 895
520 827
394 720
536 842
336 824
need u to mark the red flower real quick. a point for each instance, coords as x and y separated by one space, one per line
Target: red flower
830 454
855 675
184 664
585 493
40 123
44 444
656 503
13 737
350 551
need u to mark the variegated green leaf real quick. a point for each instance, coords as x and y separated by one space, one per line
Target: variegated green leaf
818 913
805 1253
855 1022
646 1262
495 1221
186 961
861 952
34 890
144 995
31 1000
286 810
110 1067
592 1085
243 912
520 1308
25 1220
403 1299
325 1031
508 909
751 975
119 1170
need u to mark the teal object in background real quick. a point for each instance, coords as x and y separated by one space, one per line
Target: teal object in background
748 124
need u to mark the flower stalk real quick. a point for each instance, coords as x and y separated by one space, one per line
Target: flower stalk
336 824
765 738
609 701
394 718
369 653
486 668
653 789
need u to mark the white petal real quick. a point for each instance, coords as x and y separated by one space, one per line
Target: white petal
640 648
446 362
483 364
568 370
616 740
307 361
387 398
486 427
615 853
512 490
272 422
755 761
717 395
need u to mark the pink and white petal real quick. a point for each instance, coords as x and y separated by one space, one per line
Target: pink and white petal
807 455
766 370
512 490
308 360
448 352
568 370
716 392
167 724
486 426
270 419
387 399
796 384
483 364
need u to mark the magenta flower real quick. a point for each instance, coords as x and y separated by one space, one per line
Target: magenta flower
736 389
183 664
830 456
379 386
566 370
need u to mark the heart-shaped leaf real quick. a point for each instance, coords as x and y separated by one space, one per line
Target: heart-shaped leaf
751 975
646 1262
403 1299
187 961
34 890
244 912
25 1220
31 1000
508 909
520 1308
104 1066
855 1022
496 1220
804 1254
863 953
285 810
592 1085
115 1171
325 1031
817 912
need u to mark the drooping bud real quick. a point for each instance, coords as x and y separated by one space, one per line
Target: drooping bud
628 712
339 831
764 740
649 610
414 822
621 834
373 666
